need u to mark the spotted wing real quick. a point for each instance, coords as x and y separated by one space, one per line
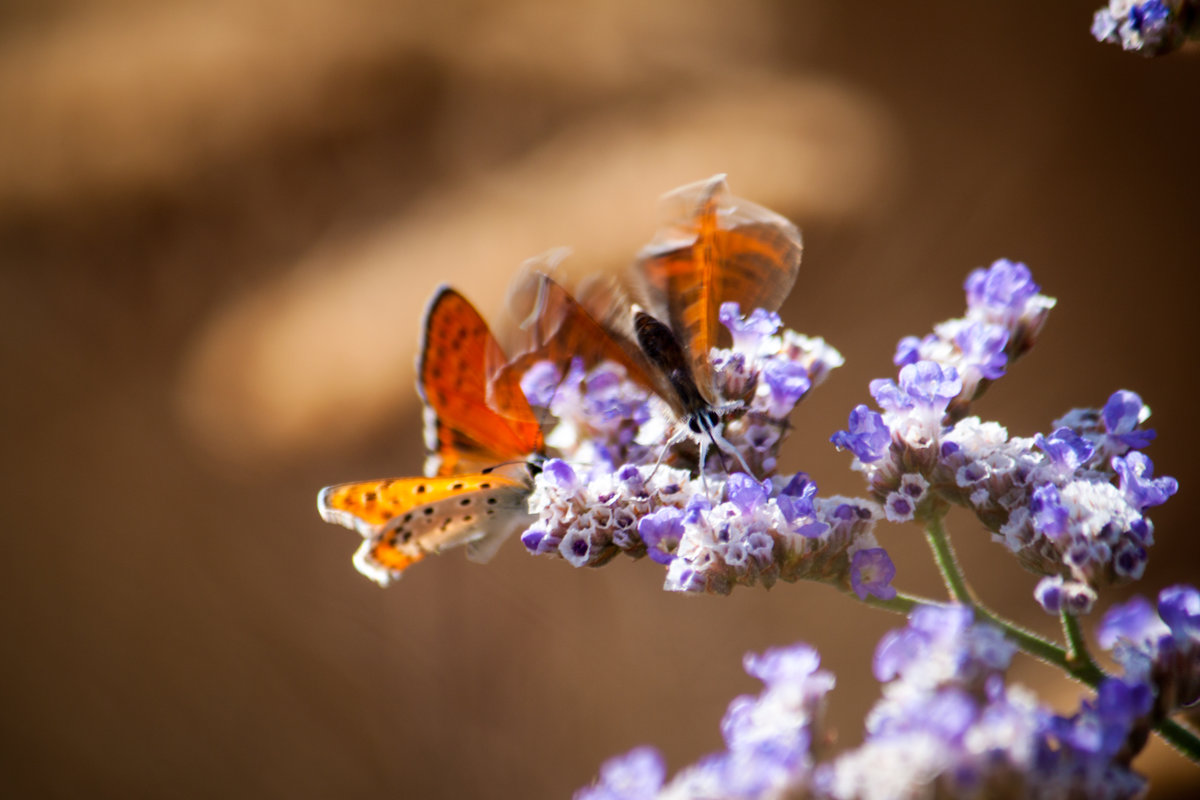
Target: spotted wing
476 414
715 249
403 520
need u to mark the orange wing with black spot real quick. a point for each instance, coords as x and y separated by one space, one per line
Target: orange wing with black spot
403 520
476 414
716 248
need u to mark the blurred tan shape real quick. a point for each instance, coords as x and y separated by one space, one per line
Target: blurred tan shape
99 97
326 354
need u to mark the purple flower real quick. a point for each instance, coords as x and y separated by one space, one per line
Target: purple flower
532 539
908 350
1049 594
781 665
1150 28
982 345
801 487
637 775
1179 607
868 437
768 740
1104 27
559 474
1159 647
662 531
899 507
1138 483
748 333
631 476
786 382
576 548
1123 412
923 385
697 507
795 502
1050 516
1066 449
929 385
1134 621
540 382
1002 290
943 646
871 572
1129 560
746 493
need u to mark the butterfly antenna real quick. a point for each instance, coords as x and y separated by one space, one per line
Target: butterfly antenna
533 464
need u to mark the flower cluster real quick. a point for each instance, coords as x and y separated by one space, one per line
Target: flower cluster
602 417
1158 647
1071 505
1151 28
947 726
770 740
775 371
608 494
948 720
1005 315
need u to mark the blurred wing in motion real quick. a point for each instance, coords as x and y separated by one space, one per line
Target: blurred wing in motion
715 248
561 330
476 415
403 520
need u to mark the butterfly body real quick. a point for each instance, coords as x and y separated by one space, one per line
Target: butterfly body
714 249
664 351
485 445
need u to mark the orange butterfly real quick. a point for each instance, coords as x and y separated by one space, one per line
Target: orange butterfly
715 249
476 418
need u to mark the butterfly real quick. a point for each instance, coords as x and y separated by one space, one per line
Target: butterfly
484 442
715 248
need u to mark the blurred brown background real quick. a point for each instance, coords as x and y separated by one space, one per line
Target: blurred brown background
219 223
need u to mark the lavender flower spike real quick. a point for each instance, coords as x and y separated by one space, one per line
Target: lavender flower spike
1005 314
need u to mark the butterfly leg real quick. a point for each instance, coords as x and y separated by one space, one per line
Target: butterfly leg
724 444
713 427
676 437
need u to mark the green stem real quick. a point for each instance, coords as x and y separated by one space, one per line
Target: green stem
1078 655
902 603
947 562
1028 642
1181 737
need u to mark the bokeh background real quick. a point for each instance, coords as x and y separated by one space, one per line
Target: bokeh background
220 221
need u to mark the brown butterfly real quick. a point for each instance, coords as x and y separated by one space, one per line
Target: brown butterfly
476 419
714 249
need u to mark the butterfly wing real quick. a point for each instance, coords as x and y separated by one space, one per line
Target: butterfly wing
561 330
403 520
476 414
715 249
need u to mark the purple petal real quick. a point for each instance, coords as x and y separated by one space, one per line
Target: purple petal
871 572
662 531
